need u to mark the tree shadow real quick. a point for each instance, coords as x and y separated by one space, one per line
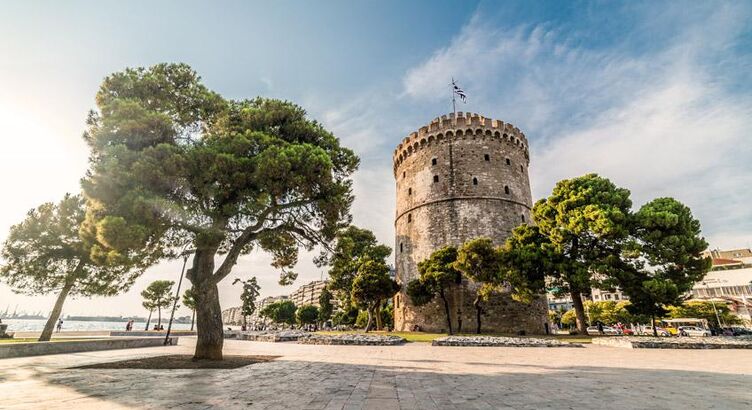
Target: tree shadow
302 384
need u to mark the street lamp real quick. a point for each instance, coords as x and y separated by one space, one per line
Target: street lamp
717 317
184 254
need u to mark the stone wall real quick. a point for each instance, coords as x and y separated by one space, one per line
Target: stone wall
57 347
459 180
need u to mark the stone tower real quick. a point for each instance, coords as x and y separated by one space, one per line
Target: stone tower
458 179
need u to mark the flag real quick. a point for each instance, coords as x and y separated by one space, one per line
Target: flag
459 92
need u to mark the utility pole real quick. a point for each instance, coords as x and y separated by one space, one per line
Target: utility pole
177 297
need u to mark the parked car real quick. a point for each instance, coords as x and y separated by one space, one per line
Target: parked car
741 331
648 331
693 331
607 330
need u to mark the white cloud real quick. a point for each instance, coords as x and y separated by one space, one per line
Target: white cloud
661 122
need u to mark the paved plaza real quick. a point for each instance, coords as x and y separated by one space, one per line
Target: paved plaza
415 375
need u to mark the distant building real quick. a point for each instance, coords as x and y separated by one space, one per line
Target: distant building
598 295
729 281
308 294
730 259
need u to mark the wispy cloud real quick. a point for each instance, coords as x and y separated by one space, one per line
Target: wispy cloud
660 121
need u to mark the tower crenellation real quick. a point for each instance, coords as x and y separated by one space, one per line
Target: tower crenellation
459 179
467 125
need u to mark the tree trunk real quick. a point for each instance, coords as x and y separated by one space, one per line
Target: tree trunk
370 316
159 317
379 325
652 323
446 310
193 318
579 310
460 301
55 314
210 337
148 320
478 310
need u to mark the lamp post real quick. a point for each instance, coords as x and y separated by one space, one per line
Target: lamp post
717 317
185 254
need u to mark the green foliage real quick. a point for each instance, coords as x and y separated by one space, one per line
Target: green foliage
362 319
325 305
419 293
345 317
585 219
704 310
45 253
282 312
569 318
663 258
478 260
354 247
526 258
373 284
249 295
387 316
189 299
609 312
307 314
158 295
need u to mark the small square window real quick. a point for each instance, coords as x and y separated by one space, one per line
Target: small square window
475 181
435 178
433 161
409 191
506 189
509 162
487 157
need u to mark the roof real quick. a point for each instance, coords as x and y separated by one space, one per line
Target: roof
724 261
731 277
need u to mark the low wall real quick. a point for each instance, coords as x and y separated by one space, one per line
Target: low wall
674 342
152 333
10 350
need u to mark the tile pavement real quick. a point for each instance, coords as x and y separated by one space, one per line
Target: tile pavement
413 376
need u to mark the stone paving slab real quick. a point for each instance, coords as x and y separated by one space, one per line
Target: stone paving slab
412 376
643 342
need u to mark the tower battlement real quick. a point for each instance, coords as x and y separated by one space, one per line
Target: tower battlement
466 125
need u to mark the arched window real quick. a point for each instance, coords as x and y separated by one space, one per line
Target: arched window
435 178
433 161
475 181
409 191
506 189
409 218
487 157
509 162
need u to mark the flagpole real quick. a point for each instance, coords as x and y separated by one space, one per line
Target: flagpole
454 104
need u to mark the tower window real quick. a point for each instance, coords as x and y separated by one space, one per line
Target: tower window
523 217
401 248
410 218
475 181
403 173
487 157
433 161
409 191
506 189
508 163
435 178
522 169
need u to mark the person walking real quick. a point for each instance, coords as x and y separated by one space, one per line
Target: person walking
59 325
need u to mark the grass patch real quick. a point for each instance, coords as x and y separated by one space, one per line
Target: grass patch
429 337
180 361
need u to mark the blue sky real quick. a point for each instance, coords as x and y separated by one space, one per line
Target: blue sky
656 96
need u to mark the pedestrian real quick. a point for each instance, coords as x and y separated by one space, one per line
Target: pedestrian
600 328
59 324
